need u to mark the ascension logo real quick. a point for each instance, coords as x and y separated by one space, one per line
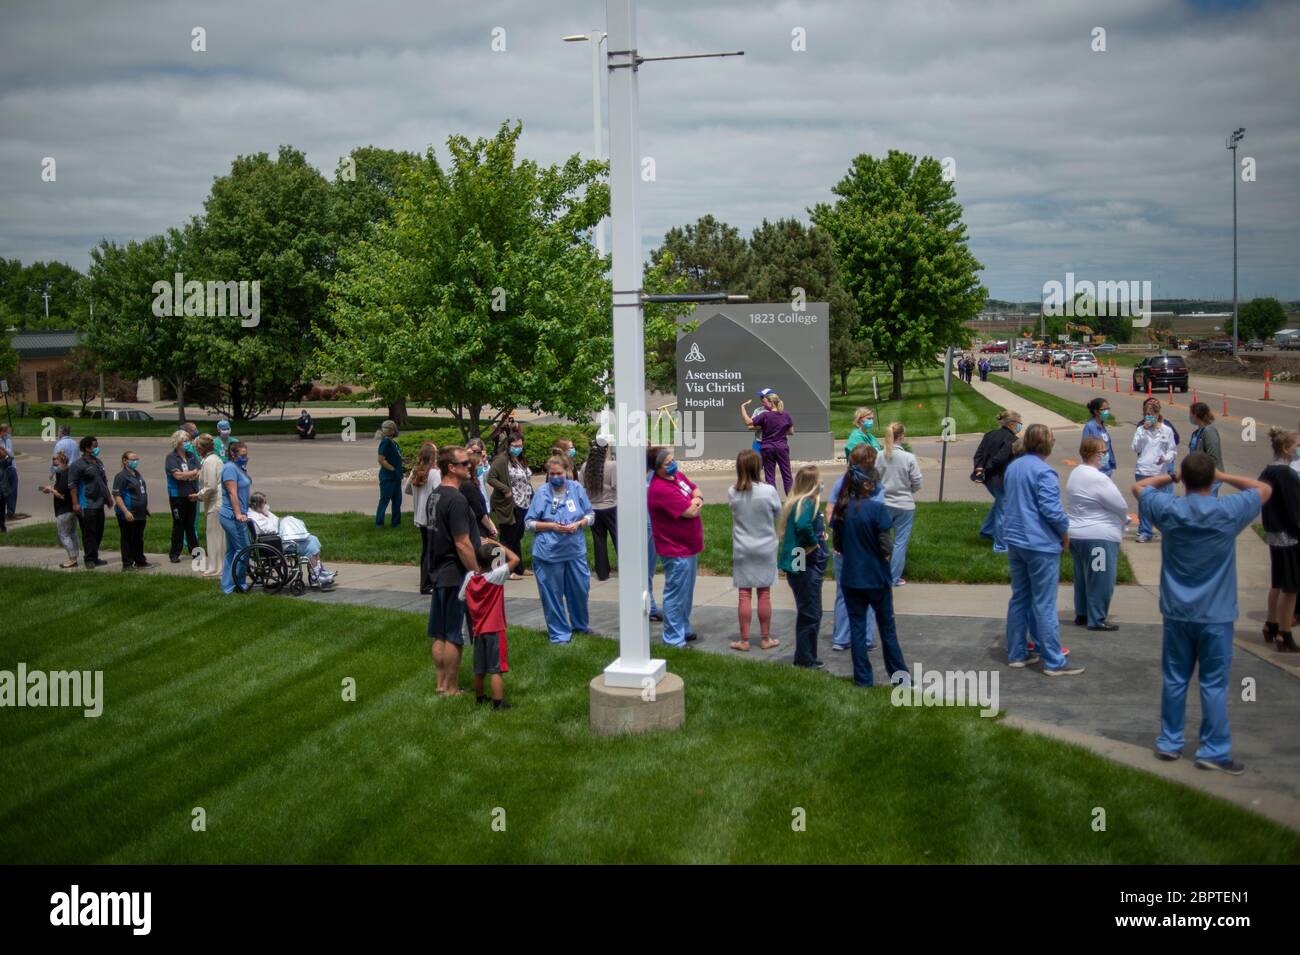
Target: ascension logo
694 354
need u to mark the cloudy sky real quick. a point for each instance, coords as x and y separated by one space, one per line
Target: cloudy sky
1108 164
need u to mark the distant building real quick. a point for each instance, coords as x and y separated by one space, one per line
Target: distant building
43 366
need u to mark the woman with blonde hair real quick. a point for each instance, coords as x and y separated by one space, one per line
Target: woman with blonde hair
755 507
1098 513
864 421
565 450
900 478
424 477
773 424
182 469
1281 519
802 532
214 538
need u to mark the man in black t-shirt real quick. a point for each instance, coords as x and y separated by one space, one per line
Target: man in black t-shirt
453 548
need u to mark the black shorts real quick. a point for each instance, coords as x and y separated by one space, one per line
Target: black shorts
447 615
1284 563
490 654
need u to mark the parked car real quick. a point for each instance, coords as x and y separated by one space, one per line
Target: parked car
1161 371
999 363
1220 345
1289 343
1106 349
1195 345
122 414
1254 345
1082 363
1060 358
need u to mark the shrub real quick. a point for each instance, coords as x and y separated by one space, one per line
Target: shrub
51 411
538 440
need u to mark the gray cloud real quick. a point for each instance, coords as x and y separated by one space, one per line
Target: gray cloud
1107 164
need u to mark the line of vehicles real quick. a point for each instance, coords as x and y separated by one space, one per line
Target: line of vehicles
1160 371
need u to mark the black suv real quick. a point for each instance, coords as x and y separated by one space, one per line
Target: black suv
1161 371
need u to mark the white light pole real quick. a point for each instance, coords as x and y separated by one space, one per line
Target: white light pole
596 38
1237 136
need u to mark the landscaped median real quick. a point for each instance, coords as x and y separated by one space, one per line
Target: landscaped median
1071 410
240 712
945 546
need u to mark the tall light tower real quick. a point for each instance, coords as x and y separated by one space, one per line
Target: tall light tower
634 668
596 38
1237 136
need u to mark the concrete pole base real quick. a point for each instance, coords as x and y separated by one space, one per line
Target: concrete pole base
617 710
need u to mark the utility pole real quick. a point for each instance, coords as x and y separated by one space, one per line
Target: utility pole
1237 136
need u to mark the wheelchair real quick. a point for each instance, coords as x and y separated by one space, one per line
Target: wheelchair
274 565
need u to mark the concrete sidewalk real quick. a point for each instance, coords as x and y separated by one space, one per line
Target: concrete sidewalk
1113 709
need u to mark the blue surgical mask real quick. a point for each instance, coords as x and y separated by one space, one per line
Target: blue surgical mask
1296 453
242 460
557 480
670 468
188 446
481 470
515 452
1149 419
95 452
133 465
1019 427
1105 414
573 452
868 424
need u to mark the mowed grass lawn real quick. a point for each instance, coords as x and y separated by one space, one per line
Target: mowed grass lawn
1072 410
945 545
921 408
235 705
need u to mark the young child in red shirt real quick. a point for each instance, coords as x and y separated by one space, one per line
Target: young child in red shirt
484 594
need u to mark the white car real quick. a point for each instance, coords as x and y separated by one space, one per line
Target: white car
1082 363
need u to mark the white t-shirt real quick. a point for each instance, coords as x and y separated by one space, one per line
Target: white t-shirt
420 494
497 575
1097 509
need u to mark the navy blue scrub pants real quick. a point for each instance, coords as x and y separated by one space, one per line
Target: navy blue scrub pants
1095 565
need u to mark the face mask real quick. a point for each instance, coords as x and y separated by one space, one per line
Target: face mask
670 468
242 460
868 424
1019 427
481 470
225 435
95 452
515 452
1149 419
188 447
557 480
573 452
133 465
1105 415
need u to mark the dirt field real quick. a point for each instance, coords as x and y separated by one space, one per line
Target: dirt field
1245 365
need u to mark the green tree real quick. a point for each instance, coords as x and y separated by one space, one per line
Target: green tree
269 221
125 334
663 324
787 255
710 255
22 288
481 291
9 363
1260 318
901 248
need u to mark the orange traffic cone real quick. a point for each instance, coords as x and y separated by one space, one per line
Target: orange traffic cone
1267 378
1225 406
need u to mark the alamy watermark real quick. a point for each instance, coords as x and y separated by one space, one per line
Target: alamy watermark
623 426
948 688
77 688
1126 298
210 300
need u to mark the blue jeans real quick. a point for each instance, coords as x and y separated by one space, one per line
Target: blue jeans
236 540
807 588
1188 647
902 534
679 595
650 547
1093 588
561 584
11 503
991 529
881 603
390 492
840 634
1034 576
1144 526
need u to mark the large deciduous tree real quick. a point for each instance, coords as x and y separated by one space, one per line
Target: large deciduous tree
787 256
1260 318
482 290
710 255
901 249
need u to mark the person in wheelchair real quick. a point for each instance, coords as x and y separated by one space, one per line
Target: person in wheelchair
291 531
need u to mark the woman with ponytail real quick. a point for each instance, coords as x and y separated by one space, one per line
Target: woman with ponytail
900 477
803 555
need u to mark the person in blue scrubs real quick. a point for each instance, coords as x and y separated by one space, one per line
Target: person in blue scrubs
390 475
862 457
1198 599
862 526
558 516
235 486
1036 530
1096 427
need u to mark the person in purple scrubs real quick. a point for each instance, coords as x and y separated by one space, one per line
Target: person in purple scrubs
773 424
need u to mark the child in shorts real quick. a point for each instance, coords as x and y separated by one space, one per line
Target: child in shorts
485 597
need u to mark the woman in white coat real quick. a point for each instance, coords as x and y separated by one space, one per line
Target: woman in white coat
214 538
1156 447
1098 513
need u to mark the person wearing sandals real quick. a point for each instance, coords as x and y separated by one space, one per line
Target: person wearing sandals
1198 599
755 507
64 519
1281 519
